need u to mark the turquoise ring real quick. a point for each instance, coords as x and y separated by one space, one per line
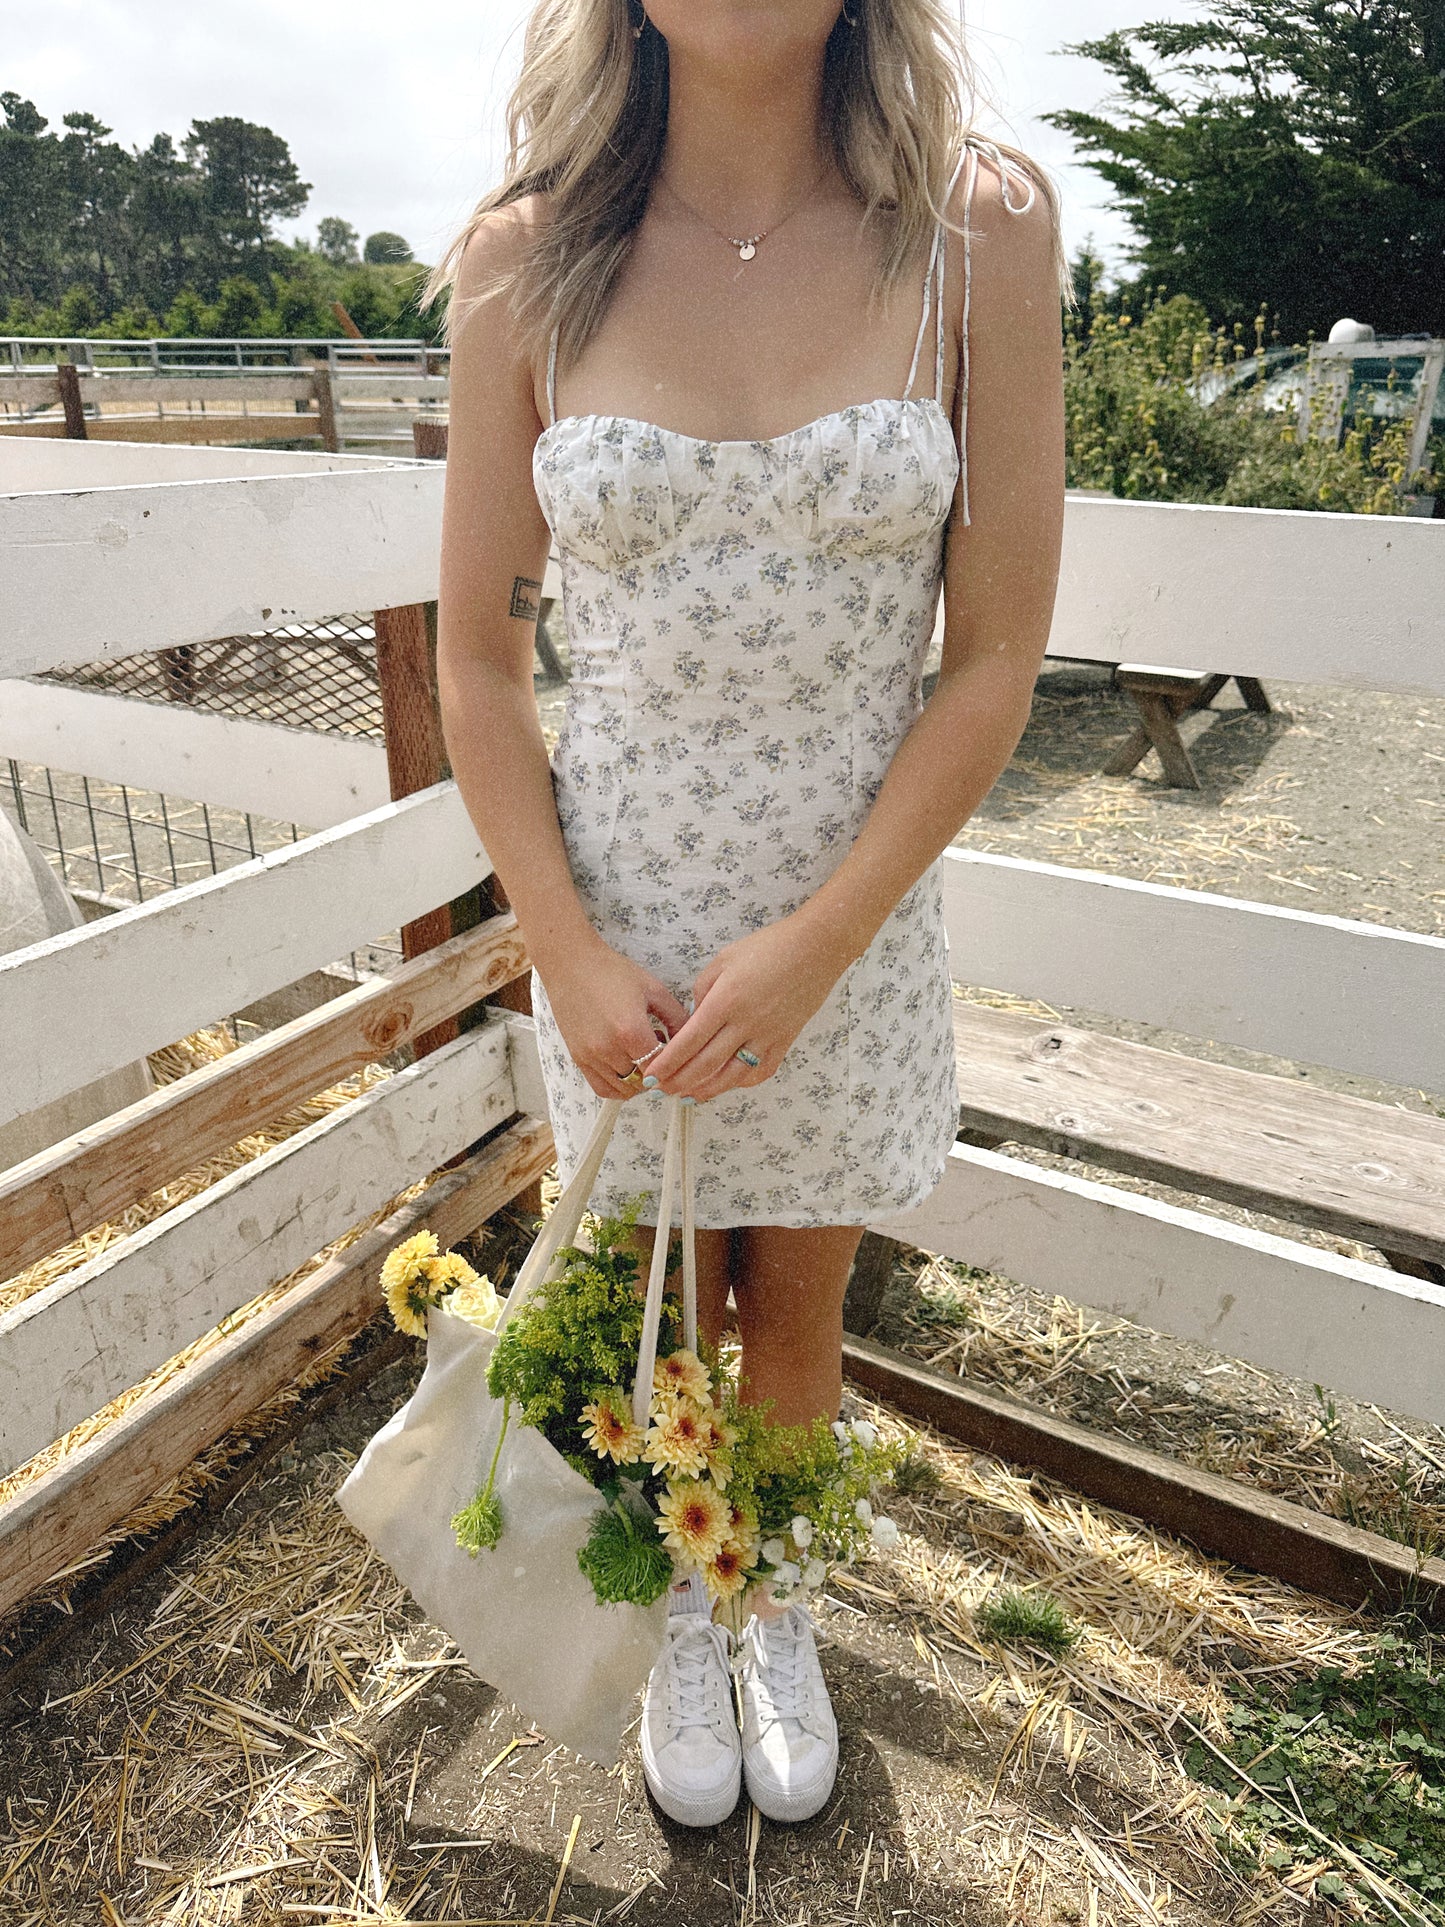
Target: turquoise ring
748 1058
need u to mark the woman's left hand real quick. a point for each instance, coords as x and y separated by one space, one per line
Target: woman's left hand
755 995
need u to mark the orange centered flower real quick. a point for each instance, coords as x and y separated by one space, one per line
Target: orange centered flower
680 1438
609 1428
694 1521
683 1375
725 1574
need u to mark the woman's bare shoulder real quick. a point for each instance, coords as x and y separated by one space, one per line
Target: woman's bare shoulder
500 240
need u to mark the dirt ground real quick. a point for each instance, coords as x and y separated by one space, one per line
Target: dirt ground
265 1729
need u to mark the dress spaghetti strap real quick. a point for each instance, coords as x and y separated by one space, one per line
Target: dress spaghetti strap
933 281
552 379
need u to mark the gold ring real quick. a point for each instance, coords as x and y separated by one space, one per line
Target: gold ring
634 1076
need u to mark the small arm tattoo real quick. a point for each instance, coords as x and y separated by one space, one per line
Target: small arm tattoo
526 598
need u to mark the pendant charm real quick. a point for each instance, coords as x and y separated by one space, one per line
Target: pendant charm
747 251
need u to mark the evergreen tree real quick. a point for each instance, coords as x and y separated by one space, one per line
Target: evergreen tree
1287 152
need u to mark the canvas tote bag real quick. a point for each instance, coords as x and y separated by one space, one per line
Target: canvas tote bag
522 1612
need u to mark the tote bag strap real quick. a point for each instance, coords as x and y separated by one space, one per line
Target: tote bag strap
561 1227
677 1174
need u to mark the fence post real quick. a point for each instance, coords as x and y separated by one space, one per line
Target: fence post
68 376
416 758
325 407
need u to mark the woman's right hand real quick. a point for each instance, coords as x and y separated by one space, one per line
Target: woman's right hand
610 1012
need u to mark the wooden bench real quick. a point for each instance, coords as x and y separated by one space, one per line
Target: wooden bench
1162 696
1246 1137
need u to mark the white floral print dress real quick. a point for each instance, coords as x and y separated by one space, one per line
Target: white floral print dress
747 624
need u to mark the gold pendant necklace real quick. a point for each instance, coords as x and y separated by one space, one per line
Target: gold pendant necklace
747 245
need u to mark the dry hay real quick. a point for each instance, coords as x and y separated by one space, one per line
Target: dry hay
1354 1462
175 1061
273 1734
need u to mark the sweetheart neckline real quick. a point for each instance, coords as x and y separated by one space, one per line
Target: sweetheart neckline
752 441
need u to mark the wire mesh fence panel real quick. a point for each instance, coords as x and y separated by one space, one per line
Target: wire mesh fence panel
309 675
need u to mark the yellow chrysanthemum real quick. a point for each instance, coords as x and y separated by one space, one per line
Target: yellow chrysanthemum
743 1536
474 1298
682 1375
404 1283
726 1573
679 1438
720 1438
694 1521
610 1429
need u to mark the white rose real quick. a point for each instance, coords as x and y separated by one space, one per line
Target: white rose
814 1573
864 1511
866 1434
786 1576
885 1532
774 1551
802 1531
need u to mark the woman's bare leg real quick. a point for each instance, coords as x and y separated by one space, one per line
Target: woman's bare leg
714 1275
789 1286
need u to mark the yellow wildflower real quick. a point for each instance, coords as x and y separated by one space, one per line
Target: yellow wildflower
683 1375
610 1429
694 1521
404 1282
680 1437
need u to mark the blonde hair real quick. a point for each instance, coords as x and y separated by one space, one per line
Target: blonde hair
588 116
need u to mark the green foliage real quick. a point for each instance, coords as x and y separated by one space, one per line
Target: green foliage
478 1525
1017 1618
386 246
99 240
1139 423
624 1558
1290 152
915 1476
579 1331
1361 1755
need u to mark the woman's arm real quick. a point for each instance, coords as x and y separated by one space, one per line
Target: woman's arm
1000 579
494 550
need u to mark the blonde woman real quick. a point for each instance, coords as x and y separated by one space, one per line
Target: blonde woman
771 345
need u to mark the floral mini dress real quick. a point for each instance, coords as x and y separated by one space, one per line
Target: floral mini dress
747 624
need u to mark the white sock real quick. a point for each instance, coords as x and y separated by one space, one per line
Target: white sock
689 1596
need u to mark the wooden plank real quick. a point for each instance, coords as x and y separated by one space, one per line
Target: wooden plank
108 387
149 568
29 391
102 1170
1315 1157
1233 1521
98 1329
295 776
1323 1319
210 430
356 385
56 1518
1352 600
1309 988
149 975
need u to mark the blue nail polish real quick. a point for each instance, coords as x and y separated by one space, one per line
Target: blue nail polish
649 1083
688 1100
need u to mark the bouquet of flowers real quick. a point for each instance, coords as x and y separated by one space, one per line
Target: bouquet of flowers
707 1484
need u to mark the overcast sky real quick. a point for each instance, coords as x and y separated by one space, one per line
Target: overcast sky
395 117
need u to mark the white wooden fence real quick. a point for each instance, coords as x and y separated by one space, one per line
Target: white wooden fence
158 554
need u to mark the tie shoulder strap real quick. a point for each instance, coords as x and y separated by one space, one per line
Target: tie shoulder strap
1010 174
552 379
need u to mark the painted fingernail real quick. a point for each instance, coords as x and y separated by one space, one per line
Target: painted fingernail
688 1100
649 1083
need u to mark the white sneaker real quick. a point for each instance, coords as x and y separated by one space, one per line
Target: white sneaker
790 1737
691 1753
